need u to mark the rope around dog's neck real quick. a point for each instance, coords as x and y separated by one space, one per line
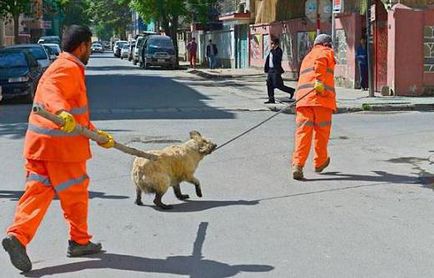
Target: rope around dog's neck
263 122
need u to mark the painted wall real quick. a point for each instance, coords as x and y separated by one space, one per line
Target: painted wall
297 38
405 72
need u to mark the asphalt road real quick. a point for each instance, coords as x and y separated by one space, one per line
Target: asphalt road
370 214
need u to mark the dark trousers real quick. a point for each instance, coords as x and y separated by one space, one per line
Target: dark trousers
275 81
363 71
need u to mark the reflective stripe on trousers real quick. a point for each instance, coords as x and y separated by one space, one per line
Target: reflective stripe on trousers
312 123
44 180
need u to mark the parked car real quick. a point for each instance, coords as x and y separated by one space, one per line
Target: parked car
158 51
124 51
49 39
131 50
117 48
140 40
97 47
37 51
53 48
19 74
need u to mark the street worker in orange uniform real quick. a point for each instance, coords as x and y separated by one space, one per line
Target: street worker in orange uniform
314 112
56 157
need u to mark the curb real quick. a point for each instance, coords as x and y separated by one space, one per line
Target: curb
386 107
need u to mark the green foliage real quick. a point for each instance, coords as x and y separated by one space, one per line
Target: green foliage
110 15
75 12
14 7
104 31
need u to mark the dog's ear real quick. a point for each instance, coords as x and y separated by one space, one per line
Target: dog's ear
195 134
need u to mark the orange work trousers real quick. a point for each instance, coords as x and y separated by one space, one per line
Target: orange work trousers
312 121
69 182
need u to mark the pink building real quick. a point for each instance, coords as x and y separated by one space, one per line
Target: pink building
402 46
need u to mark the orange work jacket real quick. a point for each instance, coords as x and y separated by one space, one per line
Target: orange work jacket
318 64
61 87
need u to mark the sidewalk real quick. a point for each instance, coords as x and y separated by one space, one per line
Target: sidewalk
348 100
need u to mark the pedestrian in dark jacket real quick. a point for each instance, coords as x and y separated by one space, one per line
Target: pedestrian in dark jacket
273 67
211 54
362 61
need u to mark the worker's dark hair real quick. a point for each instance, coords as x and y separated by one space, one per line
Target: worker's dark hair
275 41
74 35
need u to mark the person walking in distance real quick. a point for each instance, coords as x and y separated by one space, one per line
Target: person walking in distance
274 70
316 102
211 54
56 156
362 61
192 51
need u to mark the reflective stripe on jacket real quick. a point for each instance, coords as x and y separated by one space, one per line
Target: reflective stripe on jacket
62 87
318 64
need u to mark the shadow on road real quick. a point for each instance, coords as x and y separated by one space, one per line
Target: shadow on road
114 97
195 206
111 68
120 97
194 266
16 195
381 176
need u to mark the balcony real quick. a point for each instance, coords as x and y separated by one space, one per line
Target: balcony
234 11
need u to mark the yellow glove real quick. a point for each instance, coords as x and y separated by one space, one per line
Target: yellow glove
68 121
319 87
110 143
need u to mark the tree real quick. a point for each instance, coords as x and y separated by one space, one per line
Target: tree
14 8
75 12
111 15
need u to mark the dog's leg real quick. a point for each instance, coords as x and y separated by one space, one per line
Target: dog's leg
178 194
158 203
138 197
196 183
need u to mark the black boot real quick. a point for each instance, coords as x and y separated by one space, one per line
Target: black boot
17 253
78 250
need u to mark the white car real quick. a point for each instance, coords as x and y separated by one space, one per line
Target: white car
97 47
117 48
125 50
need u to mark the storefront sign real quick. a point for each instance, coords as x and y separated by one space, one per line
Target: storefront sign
337 6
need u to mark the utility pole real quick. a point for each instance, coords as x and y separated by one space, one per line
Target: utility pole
318 19
369 49
333 24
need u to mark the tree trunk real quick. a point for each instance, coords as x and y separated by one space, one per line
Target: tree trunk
16 28
2 32
174 35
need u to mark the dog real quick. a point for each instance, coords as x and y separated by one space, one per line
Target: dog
175 164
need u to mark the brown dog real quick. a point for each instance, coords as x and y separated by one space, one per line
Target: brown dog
174 165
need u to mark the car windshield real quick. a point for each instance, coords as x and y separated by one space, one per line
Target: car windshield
121 44
163 43
54 49
12 60
37 52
